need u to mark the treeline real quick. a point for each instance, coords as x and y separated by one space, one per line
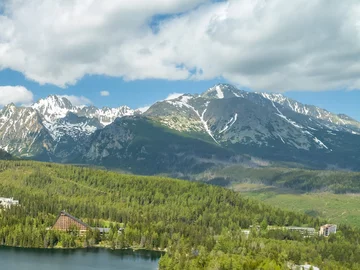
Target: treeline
297 179
199 225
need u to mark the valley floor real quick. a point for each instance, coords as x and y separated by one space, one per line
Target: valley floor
336 208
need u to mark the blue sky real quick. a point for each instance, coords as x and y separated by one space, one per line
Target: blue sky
141 55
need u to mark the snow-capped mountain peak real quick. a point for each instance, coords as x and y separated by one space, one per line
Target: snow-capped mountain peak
105 115
8 110
310 110
62 119
221 91
53 107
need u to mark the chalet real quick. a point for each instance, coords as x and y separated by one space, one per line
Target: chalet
67 222
8 202
327 229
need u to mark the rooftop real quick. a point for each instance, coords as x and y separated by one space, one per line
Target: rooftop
63 213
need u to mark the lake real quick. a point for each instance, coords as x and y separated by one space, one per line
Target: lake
80 259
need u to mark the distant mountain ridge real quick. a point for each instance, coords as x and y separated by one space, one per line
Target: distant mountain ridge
319 113
222 126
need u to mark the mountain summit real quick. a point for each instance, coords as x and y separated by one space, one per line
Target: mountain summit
53 107
220 127
221 91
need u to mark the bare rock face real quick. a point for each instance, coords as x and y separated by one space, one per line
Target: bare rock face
22 132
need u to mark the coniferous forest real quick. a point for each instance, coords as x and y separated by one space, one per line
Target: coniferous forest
198 226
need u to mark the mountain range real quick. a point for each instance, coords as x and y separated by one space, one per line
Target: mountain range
185 135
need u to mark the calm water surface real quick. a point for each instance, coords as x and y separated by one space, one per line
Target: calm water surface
84 259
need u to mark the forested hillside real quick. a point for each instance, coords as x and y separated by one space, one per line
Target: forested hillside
5 155
198 225
302 180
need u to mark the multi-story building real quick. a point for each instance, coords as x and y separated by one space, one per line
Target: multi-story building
303 230
327 229
8 202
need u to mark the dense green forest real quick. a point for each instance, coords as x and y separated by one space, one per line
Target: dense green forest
198 225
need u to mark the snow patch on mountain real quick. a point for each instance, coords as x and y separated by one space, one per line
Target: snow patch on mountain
53 107
108 115
320 143
284 117
219 92
205 123
281 138
343 122
229 123
183 101
75 130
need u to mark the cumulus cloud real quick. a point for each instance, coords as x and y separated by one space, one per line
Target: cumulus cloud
15 94
173 96
104 93
269 45
77 100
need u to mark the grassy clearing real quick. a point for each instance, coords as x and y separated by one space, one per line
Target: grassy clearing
337 208
323 194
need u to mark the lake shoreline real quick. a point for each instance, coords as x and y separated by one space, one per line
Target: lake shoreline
77 259
85 248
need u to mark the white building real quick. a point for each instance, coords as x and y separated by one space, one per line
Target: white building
8 202
308 267
303 230
305 266
327 229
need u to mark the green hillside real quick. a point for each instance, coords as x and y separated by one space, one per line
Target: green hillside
148 148
198 225
4 155
301 180
336 208
333 195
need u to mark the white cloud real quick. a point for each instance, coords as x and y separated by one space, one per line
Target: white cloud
104 93
15 94
277 45
77 100
173 96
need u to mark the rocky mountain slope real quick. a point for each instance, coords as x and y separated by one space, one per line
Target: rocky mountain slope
190 133
343 121
140 145
22 132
